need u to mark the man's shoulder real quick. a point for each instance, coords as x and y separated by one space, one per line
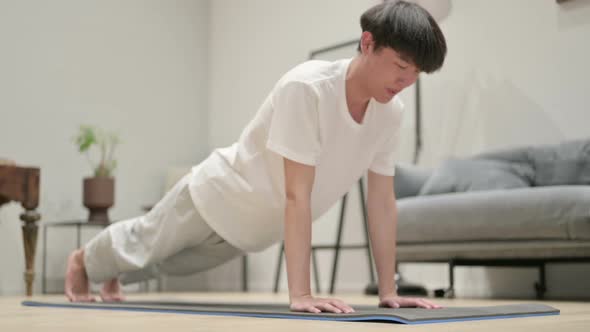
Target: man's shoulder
312 72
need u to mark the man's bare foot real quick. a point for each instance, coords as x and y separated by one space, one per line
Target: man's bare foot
77 286
111 291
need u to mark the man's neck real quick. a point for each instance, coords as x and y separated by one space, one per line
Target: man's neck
357 98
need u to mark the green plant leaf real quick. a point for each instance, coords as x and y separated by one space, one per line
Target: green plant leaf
86 138
106 143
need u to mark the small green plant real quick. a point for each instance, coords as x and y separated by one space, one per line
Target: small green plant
106 142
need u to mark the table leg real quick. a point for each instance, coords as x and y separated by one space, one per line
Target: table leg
44 271
29 227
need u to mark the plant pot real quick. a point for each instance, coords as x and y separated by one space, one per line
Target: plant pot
99 196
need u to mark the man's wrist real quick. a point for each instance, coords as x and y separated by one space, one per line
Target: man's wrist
383 295
299 294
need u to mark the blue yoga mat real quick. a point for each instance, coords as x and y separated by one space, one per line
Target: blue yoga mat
361 314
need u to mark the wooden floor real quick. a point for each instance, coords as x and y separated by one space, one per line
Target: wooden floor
575 316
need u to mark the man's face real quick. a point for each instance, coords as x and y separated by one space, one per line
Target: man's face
389 73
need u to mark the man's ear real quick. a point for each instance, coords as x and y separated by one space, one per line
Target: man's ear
367 42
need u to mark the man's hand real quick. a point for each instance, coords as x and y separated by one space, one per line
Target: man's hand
308 303
394 301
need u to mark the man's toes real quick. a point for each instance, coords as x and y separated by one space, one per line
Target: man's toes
119 297
87 298
106 297
80 297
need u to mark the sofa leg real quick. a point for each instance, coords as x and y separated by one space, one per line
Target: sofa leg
441 292
541 286
450 291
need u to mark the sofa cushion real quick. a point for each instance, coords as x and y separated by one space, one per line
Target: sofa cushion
409 179
567 163
538 213
461 175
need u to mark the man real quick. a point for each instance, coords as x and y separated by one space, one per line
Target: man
320 129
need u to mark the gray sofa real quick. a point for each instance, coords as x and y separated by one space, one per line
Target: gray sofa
519 207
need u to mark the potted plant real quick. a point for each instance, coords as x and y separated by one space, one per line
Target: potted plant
99 189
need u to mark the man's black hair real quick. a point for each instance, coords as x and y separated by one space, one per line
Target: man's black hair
408 29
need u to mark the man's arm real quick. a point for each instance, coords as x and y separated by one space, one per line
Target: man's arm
298 186
382 210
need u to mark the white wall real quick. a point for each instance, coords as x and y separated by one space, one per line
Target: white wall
136 67
516 74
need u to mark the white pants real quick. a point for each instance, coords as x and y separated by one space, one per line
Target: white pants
171 239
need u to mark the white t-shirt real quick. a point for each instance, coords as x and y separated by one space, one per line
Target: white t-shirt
240 190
